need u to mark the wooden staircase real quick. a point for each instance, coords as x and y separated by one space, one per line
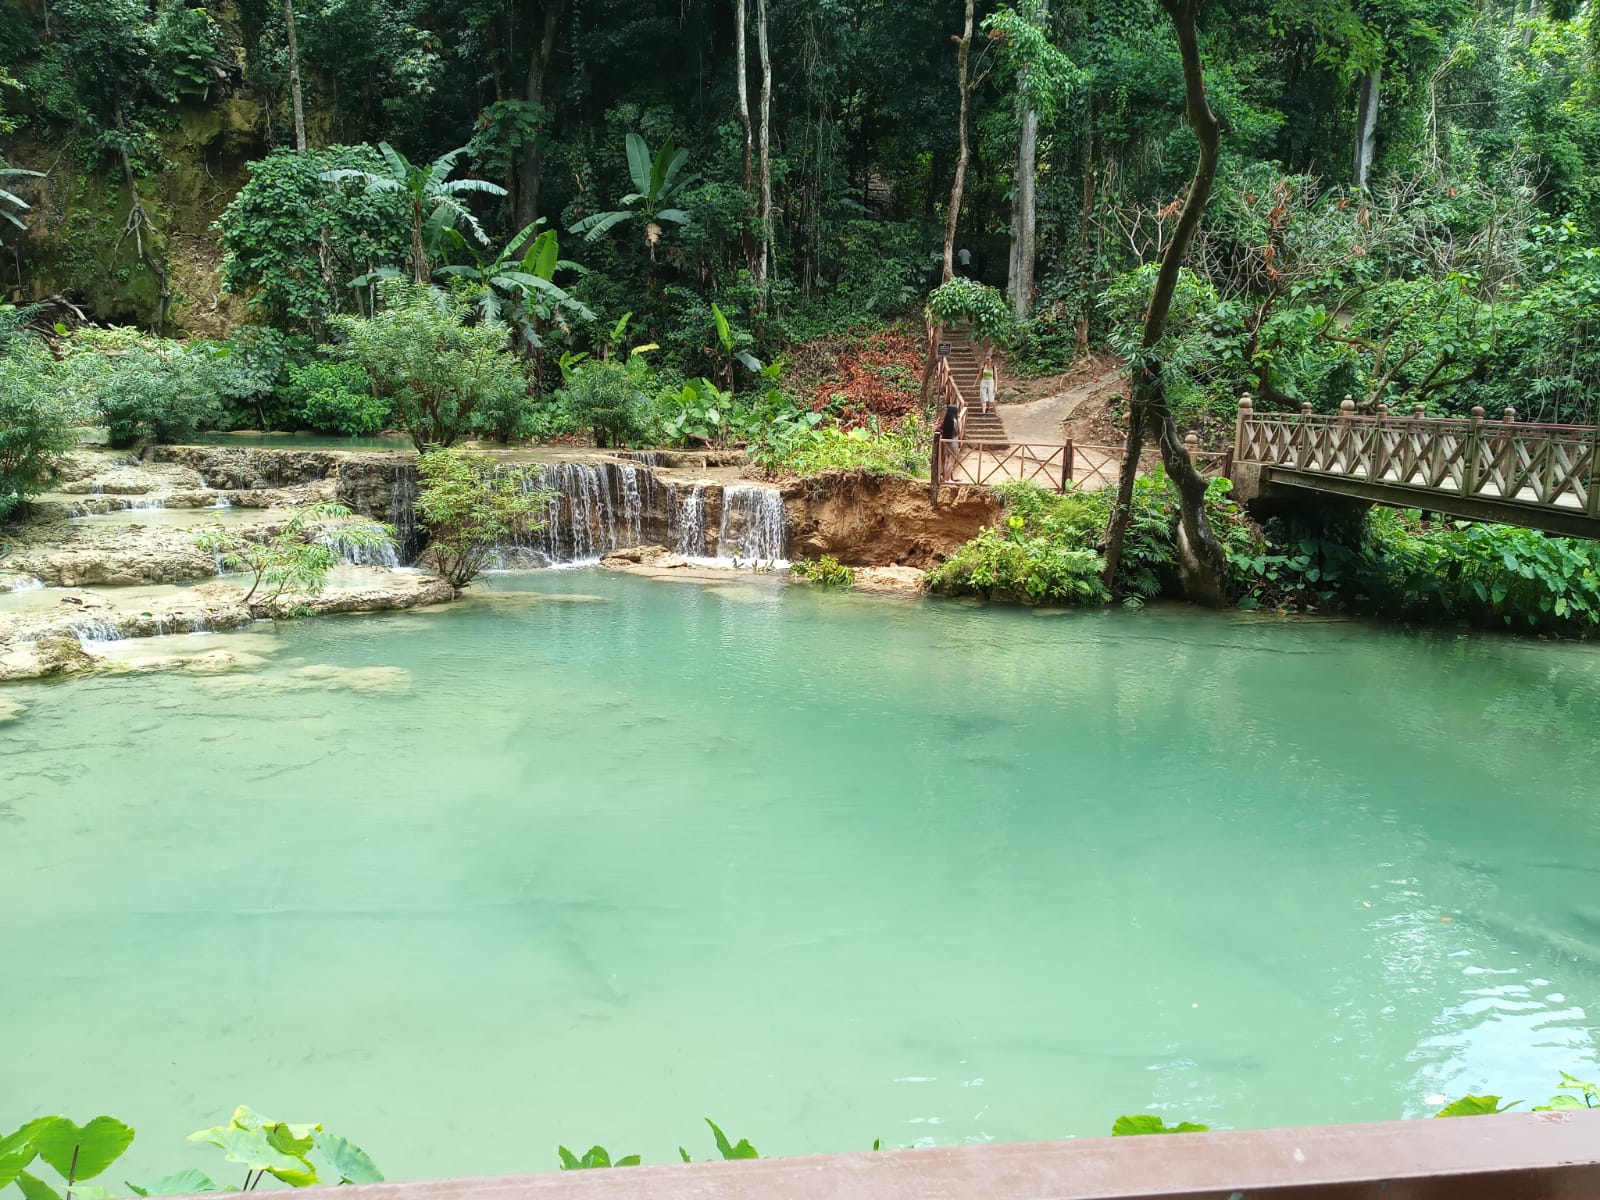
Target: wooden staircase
965 368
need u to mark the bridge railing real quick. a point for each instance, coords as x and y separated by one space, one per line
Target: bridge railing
1554 466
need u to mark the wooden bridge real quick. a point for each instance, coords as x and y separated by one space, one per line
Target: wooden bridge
1544 477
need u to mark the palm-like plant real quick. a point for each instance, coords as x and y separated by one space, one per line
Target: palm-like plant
10 200
436 199
657 181
519 289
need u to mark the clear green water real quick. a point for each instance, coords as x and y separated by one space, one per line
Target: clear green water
824 868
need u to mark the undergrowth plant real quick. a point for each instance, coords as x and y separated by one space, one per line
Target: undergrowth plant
296 560
298 1155
827 571
470 505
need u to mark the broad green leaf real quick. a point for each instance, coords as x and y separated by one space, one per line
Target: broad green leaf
12 1165
179 1183
251 1150
569 1160
82 1153
1140 1124
34 1188
544 255
743 1150
350 1162
1475 1106
724 330
684 1154
631 1160
639 162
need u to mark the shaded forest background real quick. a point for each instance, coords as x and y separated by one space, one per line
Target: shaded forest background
1408 207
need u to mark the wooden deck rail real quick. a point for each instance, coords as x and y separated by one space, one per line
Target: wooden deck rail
1055 466
1514 1156
1543 476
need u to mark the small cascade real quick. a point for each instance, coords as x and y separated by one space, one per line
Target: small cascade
596 508
632 504
221 501
689 515
365 556
88 632
754 527
143 503
579 521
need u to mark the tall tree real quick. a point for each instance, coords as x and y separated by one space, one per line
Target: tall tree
1201 561
763 275
741 84
965 84
296 99
539 59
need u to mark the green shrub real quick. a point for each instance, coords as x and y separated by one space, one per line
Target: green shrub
1024 570
610 401
470 505
36 418
145 389
334 397
967 299
827 571
801 448
1044 344
442 378
1487 575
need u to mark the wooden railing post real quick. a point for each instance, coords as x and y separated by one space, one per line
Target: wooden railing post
1471 473
1241 433
1593 499
935 466
1066 467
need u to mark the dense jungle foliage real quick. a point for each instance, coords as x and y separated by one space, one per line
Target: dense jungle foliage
626 221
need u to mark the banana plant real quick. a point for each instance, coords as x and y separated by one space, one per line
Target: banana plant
435 199
519 288
733 343
658 182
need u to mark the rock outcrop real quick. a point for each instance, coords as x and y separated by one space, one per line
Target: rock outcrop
883 520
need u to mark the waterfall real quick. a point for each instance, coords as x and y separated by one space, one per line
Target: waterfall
141 503
595 508
690 515
754 527
365 556
88 632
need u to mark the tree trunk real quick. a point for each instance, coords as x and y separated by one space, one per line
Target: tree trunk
1025 202
295 98
953 216
544 49
742 90
1367 125
1201 561
1080 341
764 274
1025 216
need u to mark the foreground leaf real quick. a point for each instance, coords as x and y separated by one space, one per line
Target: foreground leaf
1140 1124
179 1183
350 1162
35 1188
1475 1106
743 1150
83 1153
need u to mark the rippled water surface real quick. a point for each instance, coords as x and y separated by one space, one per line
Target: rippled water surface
588 866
